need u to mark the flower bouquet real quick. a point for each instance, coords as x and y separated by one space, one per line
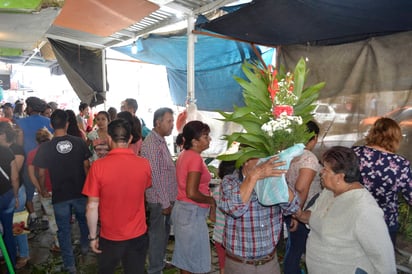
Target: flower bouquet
277 108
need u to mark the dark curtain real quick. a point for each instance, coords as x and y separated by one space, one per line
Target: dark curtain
83 67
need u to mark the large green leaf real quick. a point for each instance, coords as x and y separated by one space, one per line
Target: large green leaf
299 78
258 111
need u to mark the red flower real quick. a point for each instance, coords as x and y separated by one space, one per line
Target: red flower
273 87
278 110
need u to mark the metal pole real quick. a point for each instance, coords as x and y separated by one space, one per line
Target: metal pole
6 255
190 59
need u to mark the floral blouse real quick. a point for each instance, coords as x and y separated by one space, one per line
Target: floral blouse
384 175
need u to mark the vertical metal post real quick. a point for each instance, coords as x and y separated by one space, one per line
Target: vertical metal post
190 58
6 256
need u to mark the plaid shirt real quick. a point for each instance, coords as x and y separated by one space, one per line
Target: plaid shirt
164 183
252 231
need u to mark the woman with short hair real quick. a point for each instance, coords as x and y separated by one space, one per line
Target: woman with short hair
348 232
383 172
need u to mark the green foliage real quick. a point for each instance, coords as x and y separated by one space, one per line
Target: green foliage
405 218
258 110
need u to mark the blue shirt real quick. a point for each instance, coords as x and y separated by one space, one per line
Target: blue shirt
30 125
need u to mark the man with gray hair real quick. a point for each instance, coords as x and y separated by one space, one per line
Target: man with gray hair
161 196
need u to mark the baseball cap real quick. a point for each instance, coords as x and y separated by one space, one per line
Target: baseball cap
7 105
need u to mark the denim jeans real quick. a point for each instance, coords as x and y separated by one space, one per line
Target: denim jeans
159 230
46 203
6 218
295 247
21 240
63 213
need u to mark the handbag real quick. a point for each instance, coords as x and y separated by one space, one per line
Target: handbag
20 223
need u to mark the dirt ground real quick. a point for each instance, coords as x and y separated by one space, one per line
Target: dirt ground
43 261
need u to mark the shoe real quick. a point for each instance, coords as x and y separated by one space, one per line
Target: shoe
55 248
21 262
38 224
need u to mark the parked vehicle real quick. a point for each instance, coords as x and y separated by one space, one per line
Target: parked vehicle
326 114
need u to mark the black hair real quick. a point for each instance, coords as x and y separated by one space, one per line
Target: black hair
105 113
73 128
59 118
119 130
343 160
312 127
8 130
112 112
158 115
83 106
193 130
135 124
226 168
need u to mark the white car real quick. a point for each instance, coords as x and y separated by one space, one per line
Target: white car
325 114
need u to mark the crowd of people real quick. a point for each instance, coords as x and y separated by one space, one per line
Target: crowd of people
119 179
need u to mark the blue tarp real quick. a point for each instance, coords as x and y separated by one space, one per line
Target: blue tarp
216 62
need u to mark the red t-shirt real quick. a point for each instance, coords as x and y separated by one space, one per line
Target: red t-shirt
119 180
29 161
191 161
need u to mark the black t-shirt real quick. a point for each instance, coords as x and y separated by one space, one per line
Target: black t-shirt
6 157
64 158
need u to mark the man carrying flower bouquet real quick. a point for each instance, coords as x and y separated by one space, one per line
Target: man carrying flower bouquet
252 230
256 197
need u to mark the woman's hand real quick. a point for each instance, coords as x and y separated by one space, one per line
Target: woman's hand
293 225
212 213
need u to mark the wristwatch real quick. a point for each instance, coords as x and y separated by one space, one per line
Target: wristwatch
92 239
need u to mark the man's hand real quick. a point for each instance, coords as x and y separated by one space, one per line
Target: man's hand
94 245
167 211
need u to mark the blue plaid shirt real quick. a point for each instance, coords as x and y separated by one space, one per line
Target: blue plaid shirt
252 230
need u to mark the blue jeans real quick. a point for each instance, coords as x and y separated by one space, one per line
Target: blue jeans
63 213
28 185
295 247
21 240
6 218
159 230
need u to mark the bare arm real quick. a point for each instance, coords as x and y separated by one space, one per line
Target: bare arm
192 190
19 162
92 215
303 216
303 182
14 179
42 185
32 175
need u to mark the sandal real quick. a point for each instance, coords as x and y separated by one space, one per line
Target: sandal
21 262
55 248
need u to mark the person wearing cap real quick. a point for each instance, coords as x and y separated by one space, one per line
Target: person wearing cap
8 111
28 127
252 231
18 111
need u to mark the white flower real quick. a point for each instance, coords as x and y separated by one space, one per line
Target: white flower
283 122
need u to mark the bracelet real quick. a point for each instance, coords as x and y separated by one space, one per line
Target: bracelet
92 239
